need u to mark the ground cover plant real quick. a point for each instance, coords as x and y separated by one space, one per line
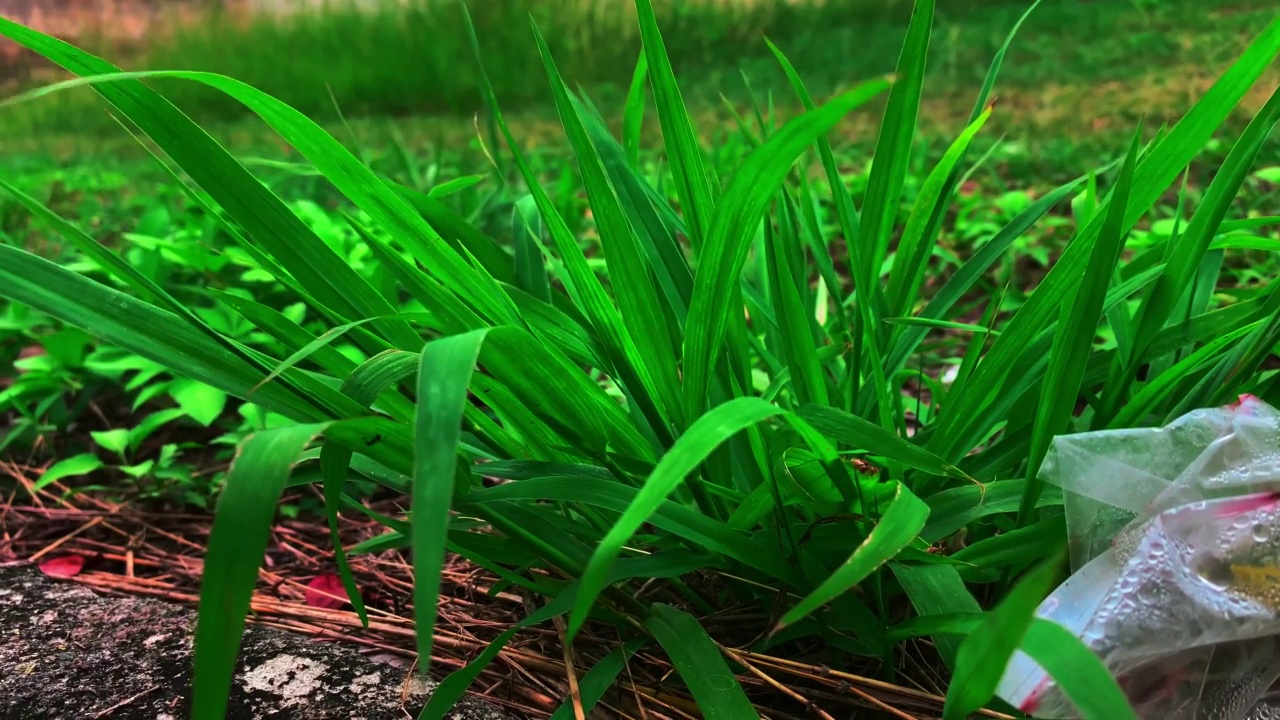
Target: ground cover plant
738 408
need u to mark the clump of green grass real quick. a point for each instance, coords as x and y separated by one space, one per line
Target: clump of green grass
728 389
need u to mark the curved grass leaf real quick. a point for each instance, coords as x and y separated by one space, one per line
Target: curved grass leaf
689 451
898 527
1159 388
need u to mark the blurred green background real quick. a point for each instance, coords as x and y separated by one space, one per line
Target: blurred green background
1079 70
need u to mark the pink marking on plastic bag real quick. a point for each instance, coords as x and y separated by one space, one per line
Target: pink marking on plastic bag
1247 504
1242 401
1032 702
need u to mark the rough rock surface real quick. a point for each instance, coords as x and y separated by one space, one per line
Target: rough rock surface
66 652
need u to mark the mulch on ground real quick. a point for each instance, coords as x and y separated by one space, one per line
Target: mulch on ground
135 548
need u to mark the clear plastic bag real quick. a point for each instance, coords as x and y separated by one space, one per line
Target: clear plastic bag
1174 539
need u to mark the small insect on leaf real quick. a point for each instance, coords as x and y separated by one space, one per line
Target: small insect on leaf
326 591
63 566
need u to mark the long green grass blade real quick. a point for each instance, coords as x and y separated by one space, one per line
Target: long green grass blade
141 328
969 414
334 462
1079 673
629 274
688 169
700 664
1186 254
985 652
1077 327
633 112
690 450
912 255
795 337
444 376
897 131
237 543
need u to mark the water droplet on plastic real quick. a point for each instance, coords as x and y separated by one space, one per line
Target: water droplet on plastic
1146 595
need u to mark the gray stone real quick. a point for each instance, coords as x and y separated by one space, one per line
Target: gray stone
66 652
